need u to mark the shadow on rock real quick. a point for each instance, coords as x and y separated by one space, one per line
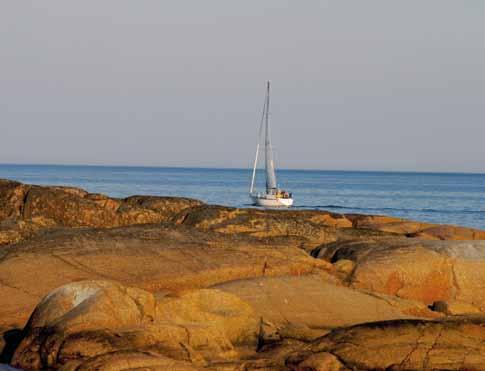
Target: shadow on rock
12 339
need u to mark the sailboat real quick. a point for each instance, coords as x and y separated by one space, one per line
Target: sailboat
273 197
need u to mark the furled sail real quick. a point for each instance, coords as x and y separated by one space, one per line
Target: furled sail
270 166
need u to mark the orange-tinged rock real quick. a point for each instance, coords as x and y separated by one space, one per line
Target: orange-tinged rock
322 361
415 269
154 258
450 232
25 209
89 320
129 360
88 305
331 220
223 282
400 345
315 303
297 226
12 195
49 207
411 228
225 311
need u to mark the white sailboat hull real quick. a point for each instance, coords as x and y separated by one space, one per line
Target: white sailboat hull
271 201
274 196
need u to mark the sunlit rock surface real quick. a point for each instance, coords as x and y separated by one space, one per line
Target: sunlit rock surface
427 271
93 282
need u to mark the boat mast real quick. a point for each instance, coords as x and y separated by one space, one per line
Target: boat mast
260 133
270 170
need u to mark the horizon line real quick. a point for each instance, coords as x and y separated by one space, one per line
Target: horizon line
243 168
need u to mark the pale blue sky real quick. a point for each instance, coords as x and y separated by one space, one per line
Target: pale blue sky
362 85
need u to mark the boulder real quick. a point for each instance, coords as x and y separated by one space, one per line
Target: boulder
91 323
87 305
428 271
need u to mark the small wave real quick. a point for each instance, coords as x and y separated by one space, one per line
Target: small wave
391 209
328 207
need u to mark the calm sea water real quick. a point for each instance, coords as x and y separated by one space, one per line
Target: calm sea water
434 197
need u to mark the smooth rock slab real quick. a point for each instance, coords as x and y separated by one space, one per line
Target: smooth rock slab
400 345
313 302
152 257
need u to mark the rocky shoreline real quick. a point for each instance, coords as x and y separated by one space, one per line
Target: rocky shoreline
93 282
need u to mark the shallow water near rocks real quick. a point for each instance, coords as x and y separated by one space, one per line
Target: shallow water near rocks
434 197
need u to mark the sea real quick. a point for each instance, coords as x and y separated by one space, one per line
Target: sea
447 198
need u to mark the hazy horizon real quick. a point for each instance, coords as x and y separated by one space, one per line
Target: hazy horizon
240 168
372 86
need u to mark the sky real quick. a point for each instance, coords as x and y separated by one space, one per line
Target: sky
356 85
